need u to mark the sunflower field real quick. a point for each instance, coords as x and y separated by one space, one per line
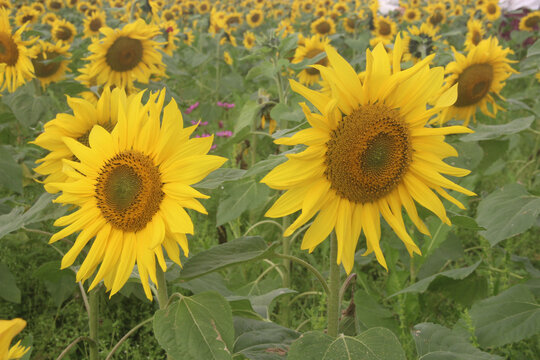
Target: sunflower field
265 180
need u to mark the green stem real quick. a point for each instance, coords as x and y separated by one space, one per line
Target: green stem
309 267
286 283
73 343
93 322
162 296
125 337
334 285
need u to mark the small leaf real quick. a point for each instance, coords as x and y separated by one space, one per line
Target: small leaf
265 165
465 222
422 285
59 283
240 250
282 112
243 197
262 303
247 115
10 291
196 327
435 342
509 317
10 172
507 212
488 132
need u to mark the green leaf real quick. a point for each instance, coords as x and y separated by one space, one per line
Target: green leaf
261 303
489 132
465 222
373 344
10 291
534 49
282 112
27 107
262 340
244 196
266 165
422 285
450 249
10 171
264 70
247 115
218 177
435 342
241 306
59 283
287 44
509 317
507 212
370 313
234 252
196 327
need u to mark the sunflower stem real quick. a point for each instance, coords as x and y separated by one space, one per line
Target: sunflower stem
162 296
286 283
334 286
93 322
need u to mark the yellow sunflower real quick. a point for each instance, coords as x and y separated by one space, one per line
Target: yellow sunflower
312 47
8 330
49 19
125 55
5 4
227 57
233 20
420 42
93 23
341 7
475 34
249 40
26 15
131 187
170 32
320 12
385 30
478 76
530 22
411 14
351 23
47 66
491 10
63 30
54 5
38 7
204 7
255 18
15 55
72 3
458 10
323 26
369 153
437 15
187 36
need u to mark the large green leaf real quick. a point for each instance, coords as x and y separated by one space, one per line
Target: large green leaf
59 283
218 177
488 132
237 251
262 340
243 196
282 112
8 285
372 344
370 313
435 342
247 115
511 316
507 212
422 285
197 327
10 172
261 303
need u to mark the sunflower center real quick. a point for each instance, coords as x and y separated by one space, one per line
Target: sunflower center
368 154
323 27
27 18
124 54
476 37
255 18
128 191
436 18
9 54
473 84
95 25
384 28
491 8
532 21
45 69
63 33
411 15
351 22
311 54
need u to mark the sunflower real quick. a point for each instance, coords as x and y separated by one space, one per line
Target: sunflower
131 186
475 33
491 10
478 75
47 66
26 15
38 7
54 5
312 47
227 37
320 12
249 40
255 18
187 36
368 153
167 15
458 10
351 23
63 30
93 23
341 7
530 22
170 32
8 330
420 42
204 7
49 19
227 57
125 55
385 30
14 54
323 26
72 3
411 14
5 4
438 14
233 20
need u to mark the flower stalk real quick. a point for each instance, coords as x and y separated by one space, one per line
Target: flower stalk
93 322
334 287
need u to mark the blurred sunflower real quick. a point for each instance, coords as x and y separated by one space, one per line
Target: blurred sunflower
478 75
227 57
491 10
249 40
255 18
38 7
167 15
385 30
323 26
5 4
131 186
170 32
437 15
63 30
54 5
204 7
368 154
227 37
475 34
233 20
49 19
341 7
420 42
71 3
187 36
458 10
93 23
15 55
8 330
26 15
320 12
50 61
411 14
351 23
312 47
125 55
530 21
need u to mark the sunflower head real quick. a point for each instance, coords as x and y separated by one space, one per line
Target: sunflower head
255 18
63 31
249 40
323 26
530 22
50 61
312 47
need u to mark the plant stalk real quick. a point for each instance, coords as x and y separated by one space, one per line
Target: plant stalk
334 285
93 322
162 296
